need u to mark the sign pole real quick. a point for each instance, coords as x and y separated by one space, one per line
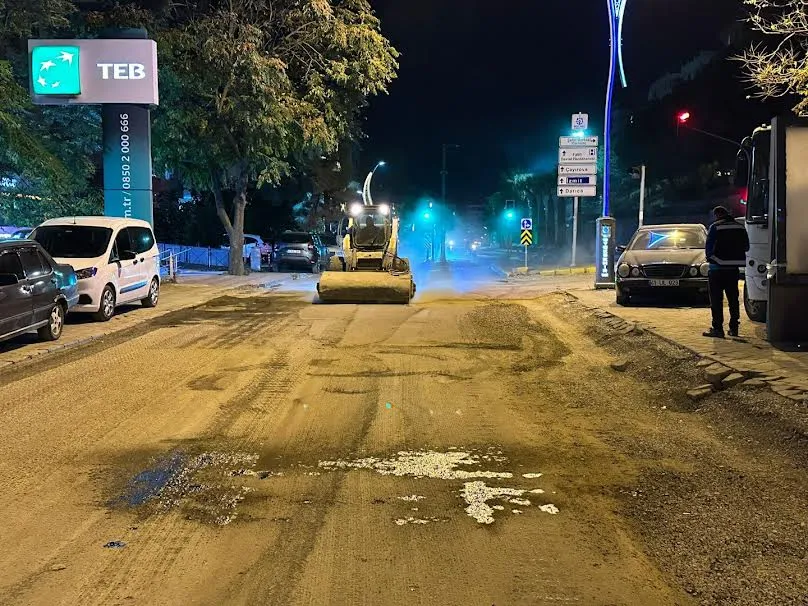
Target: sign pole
574 229
525 256
642 194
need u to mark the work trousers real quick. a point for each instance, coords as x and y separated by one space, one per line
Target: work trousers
722 282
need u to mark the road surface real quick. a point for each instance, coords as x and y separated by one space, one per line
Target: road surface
474 448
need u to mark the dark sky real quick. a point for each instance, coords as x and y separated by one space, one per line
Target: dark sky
501 78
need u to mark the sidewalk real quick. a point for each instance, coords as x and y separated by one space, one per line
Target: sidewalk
786 372
192 289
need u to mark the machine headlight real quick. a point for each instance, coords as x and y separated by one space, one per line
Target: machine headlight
705 269
384 209
694 271
356 209
623 270
635 272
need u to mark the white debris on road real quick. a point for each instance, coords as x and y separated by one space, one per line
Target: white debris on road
551 509
413 497
425 464
523 502
477 495
532 476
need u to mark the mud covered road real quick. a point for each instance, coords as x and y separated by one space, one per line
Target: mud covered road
465 450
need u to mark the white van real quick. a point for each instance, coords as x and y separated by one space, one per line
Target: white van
116 260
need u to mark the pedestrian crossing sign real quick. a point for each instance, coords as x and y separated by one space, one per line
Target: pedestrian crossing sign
527 237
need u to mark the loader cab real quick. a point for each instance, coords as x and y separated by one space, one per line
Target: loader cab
370 227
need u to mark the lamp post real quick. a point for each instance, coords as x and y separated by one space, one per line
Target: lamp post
443 174
366 197
606 225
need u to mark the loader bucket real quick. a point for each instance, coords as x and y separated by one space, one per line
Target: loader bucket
365 287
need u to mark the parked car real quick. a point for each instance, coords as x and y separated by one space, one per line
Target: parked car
117 261
35 291
330 244
297 249
661 259
320 241
22 233
250 241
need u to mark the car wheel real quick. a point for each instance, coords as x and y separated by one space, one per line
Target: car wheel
621 298
756 310
107 307
56 322
154 294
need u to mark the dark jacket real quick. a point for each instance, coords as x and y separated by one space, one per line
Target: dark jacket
727 244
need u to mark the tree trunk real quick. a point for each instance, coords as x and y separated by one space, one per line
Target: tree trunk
234 228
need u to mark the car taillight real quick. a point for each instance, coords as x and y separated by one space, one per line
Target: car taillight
84 274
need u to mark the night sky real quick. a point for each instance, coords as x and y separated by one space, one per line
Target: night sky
501 78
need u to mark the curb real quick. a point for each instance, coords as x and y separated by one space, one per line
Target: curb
779 386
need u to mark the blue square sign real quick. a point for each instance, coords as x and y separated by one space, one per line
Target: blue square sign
527 223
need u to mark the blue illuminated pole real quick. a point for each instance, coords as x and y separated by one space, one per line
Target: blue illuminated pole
606 225
617 9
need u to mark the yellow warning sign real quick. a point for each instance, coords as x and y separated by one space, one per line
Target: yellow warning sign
527 237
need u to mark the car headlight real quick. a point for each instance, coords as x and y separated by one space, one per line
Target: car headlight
84 274
694 271
635 272
705 269
623 270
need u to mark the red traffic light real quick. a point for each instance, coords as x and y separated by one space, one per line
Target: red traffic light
684 117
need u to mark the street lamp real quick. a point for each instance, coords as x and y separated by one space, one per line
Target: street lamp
682 119
366 197
606 225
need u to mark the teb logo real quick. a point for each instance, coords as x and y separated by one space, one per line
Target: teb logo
55 70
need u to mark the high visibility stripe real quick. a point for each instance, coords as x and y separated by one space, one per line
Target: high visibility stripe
730 226
718 261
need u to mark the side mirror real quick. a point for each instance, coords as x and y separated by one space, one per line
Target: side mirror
741 169
8 280
127 255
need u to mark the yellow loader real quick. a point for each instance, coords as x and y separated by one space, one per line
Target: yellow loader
367 268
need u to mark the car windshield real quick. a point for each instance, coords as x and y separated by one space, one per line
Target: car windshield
668 238
293 238
73 241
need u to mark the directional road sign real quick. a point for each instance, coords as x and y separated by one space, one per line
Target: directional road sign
578 141
577 169
527 237
527 223
580 121
577 155
579 180
577 191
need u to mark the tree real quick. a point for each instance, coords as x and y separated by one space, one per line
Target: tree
782 70
48 153
249 85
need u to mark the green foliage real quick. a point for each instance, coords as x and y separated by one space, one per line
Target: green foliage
781 70
49 151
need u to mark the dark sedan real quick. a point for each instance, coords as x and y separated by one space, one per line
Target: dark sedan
661 260
35 291
297 250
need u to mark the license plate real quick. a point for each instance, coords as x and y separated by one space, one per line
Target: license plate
664 282
294 251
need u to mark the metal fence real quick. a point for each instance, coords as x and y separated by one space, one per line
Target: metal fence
195 257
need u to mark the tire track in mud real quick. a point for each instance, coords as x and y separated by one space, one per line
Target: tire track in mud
164 538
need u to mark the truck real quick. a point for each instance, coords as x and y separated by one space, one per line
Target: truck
773 168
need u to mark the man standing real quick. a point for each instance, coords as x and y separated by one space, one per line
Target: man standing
727 244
